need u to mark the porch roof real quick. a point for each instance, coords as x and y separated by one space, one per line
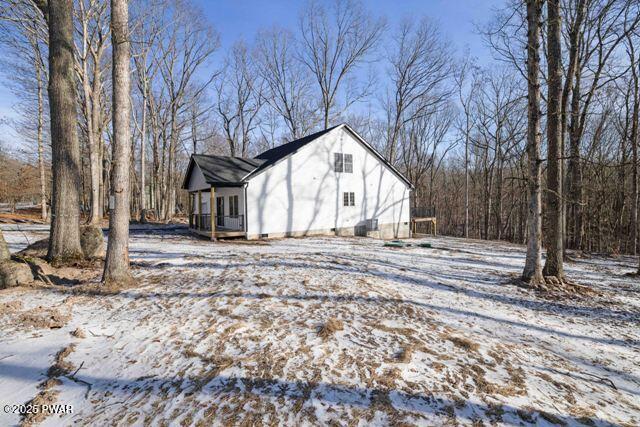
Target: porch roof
221 171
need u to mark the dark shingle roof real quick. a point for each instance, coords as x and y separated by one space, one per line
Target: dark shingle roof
277 153
221 170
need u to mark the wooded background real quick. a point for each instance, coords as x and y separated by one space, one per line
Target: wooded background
457 130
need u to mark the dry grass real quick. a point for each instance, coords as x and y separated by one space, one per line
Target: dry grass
405 354
44 318
464 343
49 395
45 397
61 366
330 327
11 306
78 333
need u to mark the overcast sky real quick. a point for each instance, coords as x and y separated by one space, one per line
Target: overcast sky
236 19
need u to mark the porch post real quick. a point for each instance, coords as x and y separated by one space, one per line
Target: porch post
199 218
211 212
189 208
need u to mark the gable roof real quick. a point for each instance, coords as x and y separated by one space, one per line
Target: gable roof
273 155
232 171
283 151
221 170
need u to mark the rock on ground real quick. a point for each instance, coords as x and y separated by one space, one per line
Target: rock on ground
92 241
14 274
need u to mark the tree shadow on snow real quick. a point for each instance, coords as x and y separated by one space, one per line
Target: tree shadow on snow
287 393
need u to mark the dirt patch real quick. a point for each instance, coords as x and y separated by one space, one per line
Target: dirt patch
329 328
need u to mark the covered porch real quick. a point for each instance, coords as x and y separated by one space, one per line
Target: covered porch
217 194
217 212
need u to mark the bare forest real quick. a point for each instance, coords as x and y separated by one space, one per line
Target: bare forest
458 130
523 310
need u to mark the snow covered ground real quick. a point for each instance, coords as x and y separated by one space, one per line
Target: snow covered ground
327 331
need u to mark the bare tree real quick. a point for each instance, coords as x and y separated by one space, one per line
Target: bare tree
465 76
24 32
240 99
553 230
116 266
287 82
93 29
64 240
607 24
187 45
334 44
421 67
146 34
532 272
633 140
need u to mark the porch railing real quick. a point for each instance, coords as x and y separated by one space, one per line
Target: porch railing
230 222
222 222
200 222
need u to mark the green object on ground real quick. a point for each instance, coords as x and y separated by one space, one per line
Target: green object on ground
424 245
394 244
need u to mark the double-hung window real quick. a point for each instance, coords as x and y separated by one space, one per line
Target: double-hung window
343 162
348 199
348 163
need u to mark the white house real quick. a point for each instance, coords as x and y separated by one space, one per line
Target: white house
329 183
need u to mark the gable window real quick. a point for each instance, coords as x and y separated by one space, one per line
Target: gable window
338 164
348 163
233 205
348 199
342 162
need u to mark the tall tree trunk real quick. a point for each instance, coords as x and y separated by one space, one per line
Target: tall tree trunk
64 240
574 49
116 267
143 142
170 191
553 227
574 173
532 272
466 176
634 153
43 175
633 140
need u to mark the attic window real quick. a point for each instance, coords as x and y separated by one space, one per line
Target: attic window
342 162
348 163
338 164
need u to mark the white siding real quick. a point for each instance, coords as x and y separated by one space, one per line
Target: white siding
302 193
197 181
